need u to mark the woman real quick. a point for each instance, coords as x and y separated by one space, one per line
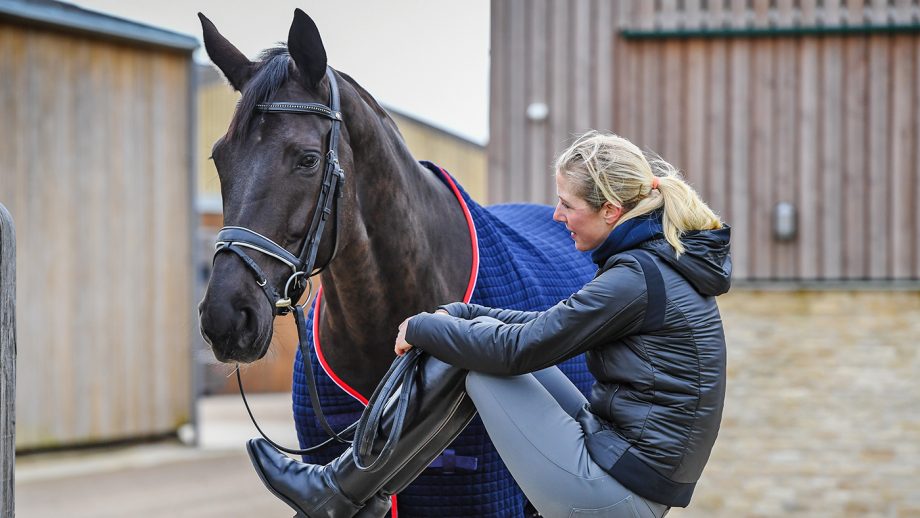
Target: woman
647 323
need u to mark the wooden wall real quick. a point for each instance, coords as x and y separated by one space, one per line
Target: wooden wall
7 363
94 167
812 103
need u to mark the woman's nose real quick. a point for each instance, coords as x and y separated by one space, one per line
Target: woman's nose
557 214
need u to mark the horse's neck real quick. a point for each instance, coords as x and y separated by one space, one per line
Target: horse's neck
408 249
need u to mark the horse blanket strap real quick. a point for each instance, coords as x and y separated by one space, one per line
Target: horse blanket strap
655 308
449 462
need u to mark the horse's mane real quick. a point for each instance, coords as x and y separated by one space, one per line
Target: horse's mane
274 69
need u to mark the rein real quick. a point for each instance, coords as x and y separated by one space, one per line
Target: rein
238 240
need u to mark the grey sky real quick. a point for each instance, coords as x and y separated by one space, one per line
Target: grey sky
427 58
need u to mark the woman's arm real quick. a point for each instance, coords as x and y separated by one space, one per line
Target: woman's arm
471 311
609 307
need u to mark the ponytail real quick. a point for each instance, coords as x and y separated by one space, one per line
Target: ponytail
606 167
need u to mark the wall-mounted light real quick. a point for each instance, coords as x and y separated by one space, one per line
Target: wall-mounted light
784 221
537 111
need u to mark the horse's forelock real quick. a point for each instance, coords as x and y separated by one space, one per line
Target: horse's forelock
274 70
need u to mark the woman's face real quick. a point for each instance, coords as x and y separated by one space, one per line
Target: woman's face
588 227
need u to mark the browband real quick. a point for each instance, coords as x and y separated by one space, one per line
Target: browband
289 107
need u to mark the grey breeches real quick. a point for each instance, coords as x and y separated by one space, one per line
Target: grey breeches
530 420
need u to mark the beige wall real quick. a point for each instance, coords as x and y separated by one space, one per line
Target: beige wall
822 415
216 102
464 160
94 168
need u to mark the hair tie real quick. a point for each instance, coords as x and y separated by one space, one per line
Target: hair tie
654 182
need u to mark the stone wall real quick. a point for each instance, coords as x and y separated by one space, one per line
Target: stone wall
822 414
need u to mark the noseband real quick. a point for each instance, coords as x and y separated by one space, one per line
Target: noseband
236 239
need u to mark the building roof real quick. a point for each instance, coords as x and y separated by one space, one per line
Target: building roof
433 127
70 18
209 75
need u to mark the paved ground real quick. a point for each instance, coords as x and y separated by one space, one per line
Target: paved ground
165 479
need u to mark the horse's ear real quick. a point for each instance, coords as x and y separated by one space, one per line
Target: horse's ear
306 48
236 67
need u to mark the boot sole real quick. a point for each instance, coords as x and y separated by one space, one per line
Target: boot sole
300 512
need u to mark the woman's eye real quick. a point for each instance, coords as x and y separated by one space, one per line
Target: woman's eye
308 161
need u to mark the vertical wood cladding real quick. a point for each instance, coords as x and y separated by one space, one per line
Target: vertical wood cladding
94 167
753 102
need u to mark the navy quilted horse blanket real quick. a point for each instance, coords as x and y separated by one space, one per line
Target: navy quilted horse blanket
525 261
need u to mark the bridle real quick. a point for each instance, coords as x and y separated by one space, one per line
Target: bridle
402 372
237 240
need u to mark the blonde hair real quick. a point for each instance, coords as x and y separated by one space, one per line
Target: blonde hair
609 168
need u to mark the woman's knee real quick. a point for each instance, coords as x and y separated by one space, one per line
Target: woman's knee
475 381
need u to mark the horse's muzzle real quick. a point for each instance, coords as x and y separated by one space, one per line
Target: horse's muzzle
236 335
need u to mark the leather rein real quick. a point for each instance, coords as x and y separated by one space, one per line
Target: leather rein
238 240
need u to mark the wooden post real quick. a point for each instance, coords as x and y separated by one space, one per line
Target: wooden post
7 362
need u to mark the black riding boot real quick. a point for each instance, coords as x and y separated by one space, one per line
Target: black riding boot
439 410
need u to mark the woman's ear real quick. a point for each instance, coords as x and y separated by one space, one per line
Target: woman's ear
611 212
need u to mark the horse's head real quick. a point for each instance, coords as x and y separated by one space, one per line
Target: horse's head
271 163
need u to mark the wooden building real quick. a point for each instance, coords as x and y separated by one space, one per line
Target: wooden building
96 168
802 110
766 106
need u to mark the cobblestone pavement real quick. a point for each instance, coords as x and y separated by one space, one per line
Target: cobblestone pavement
822 412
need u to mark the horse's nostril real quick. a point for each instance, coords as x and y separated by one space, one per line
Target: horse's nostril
247 320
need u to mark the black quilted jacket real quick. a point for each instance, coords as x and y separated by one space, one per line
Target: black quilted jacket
655 409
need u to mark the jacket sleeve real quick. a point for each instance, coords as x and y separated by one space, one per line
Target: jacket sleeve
609 307
471 311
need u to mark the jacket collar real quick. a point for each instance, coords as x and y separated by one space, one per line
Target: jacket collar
629 235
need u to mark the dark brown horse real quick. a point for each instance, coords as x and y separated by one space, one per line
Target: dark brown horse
403 243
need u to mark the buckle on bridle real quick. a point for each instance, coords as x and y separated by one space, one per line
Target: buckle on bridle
285 302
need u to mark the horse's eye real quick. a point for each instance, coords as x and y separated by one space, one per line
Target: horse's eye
308 161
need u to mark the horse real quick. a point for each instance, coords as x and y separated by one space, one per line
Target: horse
311 162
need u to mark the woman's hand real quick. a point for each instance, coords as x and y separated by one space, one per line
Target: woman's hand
402 346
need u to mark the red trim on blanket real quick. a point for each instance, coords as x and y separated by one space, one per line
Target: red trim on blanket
322 359
474 273
474 276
